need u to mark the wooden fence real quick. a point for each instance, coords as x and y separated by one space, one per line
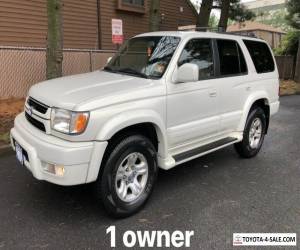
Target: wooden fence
286 67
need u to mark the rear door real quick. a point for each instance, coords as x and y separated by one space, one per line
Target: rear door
233 83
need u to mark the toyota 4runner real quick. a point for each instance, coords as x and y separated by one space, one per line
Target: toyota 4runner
165 98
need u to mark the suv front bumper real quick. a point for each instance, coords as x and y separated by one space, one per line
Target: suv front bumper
80 160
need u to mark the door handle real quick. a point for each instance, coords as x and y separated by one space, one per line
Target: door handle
213 94
248 88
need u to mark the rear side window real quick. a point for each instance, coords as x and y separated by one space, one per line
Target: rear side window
199 52
261 56
232 61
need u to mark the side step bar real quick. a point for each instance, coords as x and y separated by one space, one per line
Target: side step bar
194 153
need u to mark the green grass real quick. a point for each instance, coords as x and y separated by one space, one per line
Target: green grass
5 138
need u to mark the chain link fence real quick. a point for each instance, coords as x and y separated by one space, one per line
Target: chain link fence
23 67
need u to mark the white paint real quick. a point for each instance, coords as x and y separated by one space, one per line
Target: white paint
185 115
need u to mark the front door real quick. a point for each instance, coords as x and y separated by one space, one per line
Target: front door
192 112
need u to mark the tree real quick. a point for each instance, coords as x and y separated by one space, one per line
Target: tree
213 21
54 56
230 9
233 10
154 15
238 12
225 5
204 14
293 17
275 18
289 44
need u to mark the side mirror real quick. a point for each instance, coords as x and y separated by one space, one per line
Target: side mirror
187 72
108 59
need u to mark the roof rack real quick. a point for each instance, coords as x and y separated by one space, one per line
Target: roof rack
213 29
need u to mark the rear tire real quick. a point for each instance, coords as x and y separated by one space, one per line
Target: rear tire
254 134
128 176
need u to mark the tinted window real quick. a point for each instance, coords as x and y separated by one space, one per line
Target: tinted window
261 56
232 61
199 52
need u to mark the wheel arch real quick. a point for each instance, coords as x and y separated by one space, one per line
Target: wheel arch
145 122
259 100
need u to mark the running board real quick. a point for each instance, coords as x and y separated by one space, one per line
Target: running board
196 152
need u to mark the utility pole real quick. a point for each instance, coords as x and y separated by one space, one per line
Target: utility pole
54 56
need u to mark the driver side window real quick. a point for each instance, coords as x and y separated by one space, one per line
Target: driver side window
199 52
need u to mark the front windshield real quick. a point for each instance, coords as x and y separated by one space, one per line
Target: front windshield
146 57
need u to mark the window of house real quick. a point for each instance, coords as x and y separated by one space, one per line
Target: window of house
261 56
138 6
232 60
134 2
199 52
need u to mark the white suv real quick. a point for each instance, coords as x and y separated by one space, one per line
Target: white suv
165 98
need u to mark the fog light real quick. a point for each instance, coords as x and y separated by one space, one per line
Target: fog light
59 170
54 169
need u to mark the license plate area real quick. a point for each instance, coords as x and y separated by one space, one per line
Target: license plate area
19 153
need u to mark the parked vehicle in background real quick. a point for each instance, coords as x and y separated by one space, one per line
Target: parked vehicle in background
165 98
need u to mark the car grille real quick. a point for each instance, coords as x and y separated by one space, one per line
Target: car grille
40 107
39 125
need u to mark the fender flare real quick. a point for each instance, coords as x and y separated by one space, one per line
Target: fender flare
134 117
248 104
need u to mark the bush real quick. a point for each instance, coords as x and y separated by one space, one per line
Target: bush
289 44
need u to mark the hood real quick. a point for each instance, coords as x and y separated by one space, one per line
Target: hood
75 92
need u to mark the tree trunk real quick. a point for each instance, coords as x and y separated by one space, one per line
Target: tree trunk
54 55
224 15
297 69
154 15
204 14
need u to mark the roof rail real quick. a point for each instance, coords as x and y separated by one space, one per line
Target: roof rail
213 29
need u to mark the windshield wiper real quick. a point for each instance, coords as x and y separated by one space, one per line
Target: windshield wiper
133 71
107 68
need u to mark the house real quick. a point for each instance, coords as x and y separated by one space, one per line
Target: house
86 24
267 32
87 29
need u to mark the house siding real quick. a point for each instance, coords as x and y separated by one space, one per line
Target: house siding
23 23
135 23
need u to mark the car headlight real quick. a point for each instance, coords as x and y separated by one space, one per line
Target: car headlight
69 122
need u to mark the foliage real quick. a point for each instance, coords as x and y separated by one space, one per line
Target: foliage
238 12
293 17
276 18
213 21
289 44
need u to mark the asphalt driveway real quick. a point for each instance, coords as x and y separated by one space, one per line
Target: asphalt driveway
215 196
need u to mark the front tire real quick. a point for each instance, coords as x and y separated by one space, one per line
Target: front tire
128 177
254 134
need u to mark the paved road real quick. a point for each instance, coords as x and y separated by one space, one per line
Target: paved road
215 196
